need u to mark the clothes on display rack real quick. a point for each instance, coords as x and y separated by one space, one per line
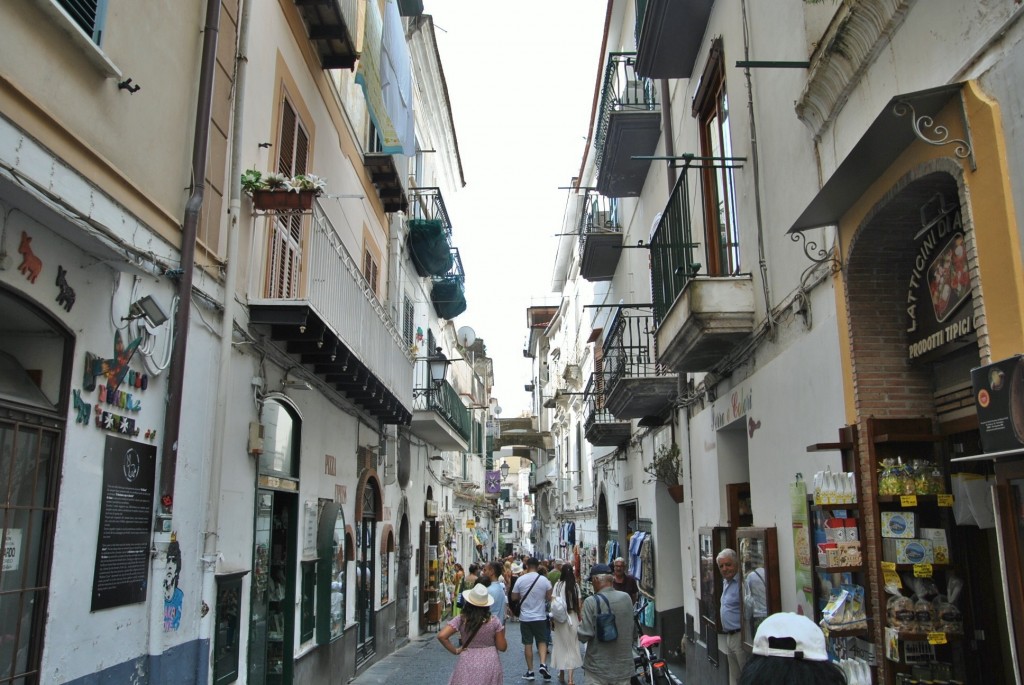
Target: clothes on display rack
635 542
646 578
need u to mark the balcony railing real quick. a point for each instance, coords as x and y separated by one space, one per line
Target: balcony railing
446 403
448 291
600 236
637 383
674 259
339 325
629 125
600 427
430 232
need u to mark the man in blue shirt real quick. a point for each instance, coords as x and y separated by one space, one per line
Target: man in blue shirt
729 613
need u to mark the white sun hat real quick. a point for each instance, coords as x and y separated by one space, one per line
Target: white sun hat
478 596
790 635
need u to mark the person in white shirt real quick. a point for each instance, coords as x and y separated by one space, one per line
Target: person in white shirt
534 592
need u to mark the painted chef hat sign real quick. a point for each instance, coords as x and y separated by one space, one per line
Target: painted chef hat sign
999 393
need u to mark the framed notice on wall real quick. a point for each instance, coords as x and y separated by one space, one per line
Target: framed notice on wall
126 519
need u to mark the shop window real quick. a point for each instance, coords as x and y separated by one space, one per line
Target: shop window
331 579
226 638
711 107
307 622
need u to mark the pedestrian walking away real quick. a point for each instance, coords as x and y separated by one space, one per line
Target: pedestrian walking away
565 651
492 573
481 637
533 591
609 660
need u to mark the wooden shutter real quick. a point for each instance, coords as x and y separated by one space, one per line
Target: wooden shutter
286 235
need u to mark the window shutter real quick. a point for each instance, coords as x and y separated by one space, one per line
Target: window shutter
407 314
90 15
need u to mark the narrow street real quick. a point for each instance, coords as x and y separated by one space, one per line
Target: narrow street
425 662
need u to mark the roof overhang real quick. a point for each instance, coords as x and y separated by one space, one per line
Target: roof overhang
888 136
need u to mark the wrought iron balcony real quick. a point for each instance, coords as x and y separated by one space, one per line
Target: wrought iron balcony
700 318
430 232
332 26
601 428
439 416
638 385
629 125
329 318
670 36
600 237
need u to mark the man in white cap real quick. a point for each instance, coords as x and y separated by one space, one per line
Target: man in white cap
790 648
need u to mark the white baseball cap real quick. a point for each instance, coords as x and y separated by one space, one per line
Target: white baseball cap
790 635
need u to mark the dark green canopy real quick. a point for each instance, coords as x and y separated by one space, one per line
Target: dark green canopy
429 247
448 296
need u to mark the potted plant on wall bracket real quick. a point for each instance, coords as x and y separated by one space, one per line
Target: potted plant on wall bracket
667 467
277 192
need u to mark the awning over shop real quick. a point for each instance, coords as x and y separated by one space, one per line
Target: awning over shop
892 131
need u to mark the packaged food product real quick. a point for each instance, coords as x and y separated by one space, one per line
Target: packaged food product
900 613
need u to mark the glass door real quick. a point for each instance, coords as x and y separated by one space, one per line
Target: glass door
366 530
272 619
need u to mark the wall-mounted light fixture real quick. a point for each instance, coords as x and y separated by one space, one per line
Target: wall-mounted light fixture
504 469
146 308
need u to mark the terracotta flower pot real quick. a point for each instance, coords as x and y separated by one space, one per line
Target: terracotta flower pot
282 200
676 493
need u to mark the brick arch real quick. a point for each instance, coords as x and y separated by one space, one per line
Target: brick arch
876 268
369 478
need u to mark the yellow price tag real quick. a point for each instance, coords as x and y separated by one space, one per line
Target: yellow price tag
888 566
908 500
936 638
922 570
945 500
892 578
470 523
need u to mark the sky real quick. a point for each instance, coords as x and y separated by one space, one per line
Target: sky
521 81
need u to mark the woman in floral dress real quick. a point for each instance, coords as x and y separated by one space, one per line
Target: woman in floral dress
481 637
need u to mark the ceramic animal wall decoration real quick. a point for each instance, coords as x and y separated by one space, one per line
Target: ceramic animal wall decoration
66 296
114 369
30 264
82 408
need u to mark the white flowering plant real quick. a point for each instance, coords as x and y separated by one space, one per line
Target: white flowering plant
254 180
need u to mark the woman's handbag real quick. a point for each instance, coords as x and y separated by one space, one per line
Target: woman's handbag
559 613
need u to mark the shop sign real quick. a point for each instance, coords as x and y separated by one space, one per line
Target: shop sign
939 315
12 549
999 396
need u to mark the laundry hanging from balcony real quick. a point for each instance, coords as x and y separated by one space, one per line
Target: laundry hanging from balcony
385 74
428 245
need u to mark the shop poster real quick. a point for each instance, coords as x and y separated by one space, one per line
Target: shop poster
802 538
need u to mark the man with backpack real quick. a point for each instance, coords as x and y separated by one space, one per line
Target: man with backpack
607 628
531 595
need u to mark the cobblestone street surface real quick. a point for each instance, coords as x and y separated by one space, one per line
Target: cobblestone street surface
425 662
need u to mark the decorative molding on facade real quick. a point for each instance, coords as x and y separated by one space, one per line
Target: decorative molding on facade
858 32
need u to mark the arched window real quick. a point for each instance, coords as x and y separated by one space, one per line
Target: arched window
280 456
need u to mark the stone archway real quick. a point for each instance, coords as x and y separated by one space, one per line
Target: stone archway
404 579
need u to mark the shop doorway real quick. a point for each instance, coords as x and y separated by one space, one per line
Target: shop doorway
34 365
404 578
272 622
602 529
366 562
272 597
912 300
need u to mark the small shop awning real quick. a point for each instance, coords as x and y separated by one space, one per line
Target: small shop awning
886 139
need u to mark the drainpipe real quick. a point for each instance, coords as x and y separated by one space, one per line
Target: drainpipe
761 258
666 126
189 230
211 535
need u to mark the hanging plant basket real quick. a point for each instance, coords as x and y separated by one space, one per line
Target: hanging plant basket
676 493
283 200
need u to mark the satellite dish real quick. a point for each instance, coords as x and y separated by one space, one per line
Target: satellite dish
466 336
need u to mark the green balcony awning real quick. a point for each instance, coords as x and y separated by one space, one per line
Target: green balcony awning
429 248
